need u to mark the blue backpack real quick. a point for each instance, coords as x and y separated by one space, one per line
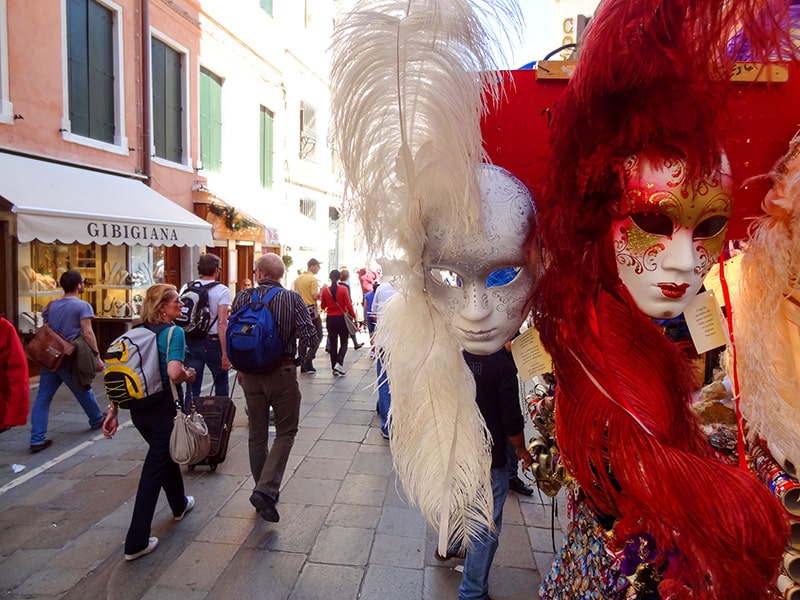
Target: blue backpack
252 340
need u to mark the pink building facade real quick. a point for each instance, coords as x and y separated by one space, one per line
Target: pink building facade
99 152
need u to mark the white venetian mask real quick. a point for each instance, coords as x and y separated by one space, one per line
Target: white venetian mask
669 232
483 284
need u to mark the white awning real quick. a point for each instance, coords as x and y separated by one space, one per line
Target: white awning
70 204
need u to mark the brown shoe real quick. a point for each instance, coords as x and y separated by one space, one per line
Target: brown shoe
39 447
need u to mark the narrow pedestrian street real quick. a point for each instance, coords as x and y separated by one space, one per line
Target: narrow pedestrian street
345 529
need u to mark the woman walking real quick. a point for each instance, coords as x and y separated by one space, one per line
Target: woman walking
335 300
153 418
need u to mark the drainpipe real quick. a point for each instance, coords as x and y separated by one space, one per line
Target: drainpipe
147 93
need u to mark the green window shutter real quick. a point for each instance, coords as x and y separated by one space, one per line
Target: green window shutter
267 6
167 102
159 102
101 73
78 66
90 69
267 147
210 120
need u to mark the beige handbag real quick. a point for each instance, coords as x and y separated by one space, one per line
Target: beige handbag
189 442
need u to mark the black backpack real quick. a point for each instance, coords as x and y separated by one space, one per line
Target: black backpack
196 318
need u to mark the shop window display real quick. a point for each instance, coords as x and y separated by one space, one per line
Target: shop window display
116 277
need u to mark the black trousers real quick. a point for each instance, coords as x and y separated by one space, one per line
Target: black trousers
154 421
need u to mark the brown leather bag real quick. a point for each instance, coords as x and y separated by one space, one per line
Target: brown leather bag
48 348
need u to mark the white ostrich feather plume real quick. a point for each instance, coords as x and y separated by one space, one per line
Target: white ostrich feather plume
409 80
767 324
440 445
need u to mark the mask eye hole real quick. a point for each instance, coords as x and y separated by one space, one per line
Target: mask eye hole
445 277
710 227
653 223
502 276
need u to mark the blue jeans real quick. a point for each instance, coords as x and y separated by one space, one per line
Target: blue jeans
49 382
384 397
475 579
206 351
511 460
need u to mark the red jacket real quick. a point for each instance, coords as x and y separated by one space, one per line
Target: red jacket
14 382
342 297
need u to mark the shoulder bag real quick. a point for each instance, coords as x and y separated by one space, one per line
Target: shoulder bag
348 319
189 441
48 348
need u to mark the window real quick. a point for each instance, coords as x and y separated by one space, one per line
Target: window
266 5
308 208
267 146
167 102
210 120
308 131
90 70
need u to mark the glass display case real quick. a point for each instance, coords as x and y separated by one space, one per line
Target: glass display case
117 278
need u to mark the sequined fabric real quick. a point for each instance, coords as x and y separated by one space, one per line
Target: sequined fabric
584 569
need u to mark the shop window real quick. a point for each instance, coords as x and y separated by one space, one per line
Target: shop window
168 101
116 277
6 108
210 120
308 208
267 146
266 6
92 73
308 131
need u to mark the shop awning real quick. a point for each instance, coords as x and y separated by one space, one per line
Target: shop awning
70 204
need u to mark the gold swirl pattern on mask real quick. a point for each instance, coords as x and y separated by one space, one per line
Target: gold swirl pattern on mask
638 249
707 253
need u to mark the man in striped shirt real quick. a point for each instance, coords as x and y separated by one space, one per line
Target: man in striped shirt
277 388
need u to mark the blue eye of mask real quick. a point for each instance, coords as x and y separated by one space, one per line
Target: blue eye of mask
502 276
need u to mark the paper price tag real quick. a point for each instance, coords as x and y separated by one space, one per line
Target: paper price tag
712 281
706 325
530 356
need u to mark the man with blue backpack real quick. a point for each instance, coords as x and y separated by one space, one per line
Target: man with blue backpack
262 335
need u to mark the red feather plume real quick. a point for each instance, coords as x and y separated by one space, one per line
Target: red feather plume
651 76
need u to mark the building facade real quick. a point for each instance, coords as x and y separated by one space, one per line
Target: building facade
264 103
136 134
98 152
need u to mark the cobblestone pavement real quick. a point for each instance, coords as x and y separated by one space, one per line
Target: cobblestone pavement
345 530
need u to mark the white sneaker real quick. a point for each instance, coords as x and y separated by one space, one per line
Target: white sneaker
338 369
189 506
151 545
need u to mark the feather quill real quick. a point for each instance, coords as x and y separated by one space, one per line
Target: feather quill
410 80
766 364
438 437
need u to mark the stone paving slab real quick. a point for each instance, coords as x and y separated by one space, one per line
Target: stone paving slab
346 529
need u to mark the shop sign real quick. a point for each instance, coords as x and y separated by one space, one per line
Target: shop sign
145 233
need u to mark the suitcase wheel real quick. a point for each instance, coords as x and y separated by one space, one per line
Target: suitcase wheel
213 466
191 467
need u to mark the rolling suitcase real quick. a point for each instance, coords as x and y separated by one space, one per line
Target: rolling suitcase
218 413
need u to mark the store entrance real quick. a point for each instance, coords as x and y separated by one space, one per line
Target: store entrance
244 265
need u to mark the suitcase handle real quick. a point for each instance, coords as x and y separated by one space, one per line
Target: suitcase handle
233 385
